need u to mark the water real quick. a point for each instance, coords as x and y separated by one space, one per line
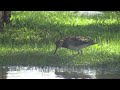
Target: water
21 72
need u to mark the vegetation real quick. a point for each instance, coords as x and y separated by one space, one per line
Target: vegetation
29 39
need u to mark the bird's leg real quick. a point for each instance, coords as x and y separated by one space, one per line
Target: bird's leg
78 52
81 51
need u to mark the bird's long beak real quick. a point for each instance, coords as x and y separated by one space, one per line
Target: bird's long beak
55 50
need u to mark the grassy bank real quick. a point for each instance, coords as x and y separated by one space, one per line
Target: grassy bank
30 37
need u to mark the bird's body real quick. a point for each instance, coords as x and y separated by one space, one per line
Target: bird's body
74 43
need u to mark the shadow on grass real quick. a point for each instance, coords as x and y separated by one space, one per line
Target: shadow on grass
95 59
110 62
102 60
34 59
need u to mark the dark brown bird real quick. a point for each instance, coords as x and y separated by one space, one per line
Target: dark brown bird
74 43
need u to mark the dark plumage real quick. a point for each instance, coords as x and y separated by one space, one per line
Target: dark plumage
74 43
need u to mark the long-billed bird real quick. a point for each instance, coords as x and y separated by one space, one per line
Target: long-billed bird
74 43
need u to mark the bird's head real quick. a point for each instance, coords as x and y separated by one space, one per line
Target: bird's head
91 42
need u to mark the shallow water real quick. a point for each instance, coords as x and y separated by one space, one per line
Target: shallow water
21 72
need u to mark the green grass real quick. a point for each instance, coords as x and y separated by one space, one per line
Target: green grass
29 39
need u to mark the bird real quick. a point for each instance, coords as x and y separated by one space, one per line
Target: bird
74 43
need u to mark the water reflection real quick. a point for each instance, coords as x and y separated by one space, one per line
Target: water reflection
3 72
20 72
108 73
82 74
